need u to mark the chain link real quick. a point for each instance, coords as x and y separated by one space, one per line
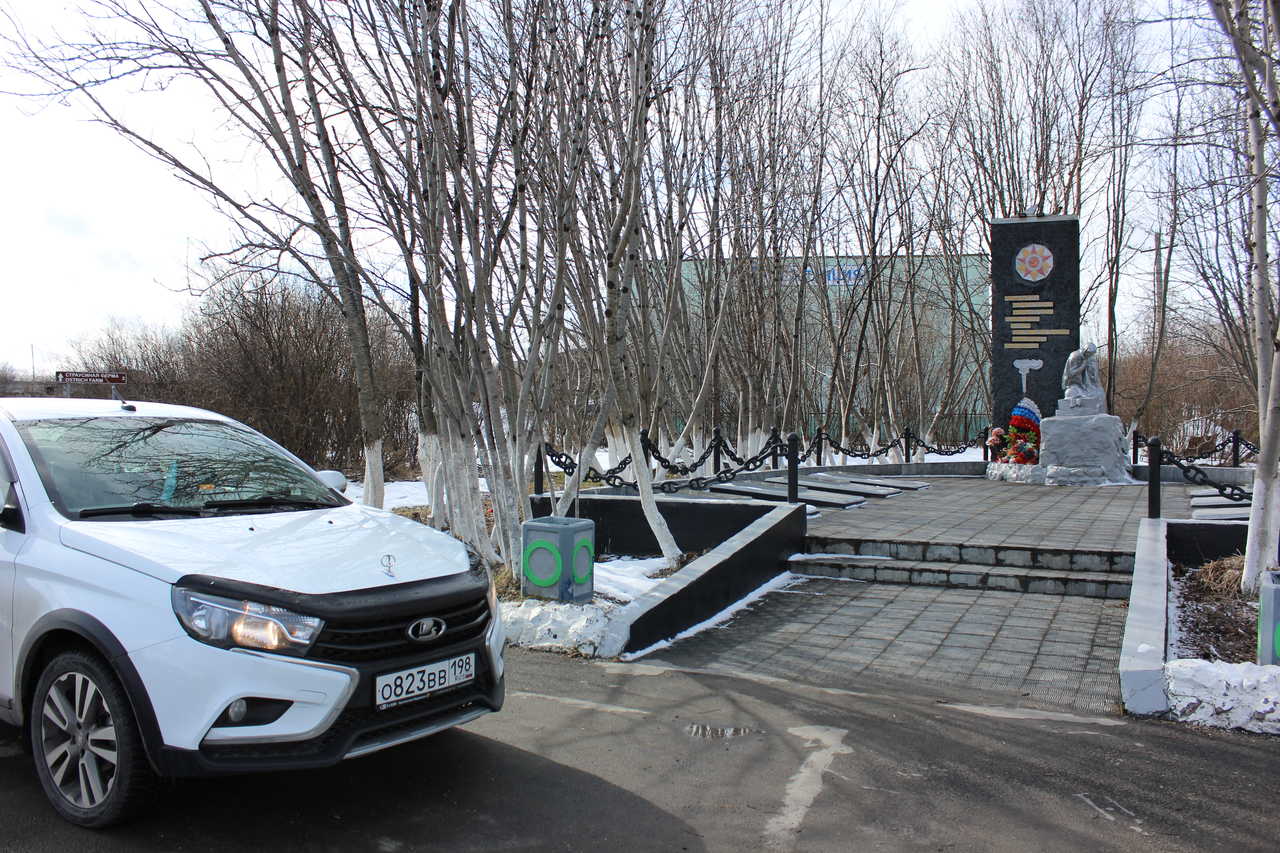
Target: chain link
774 444
1141 441
1196 475
858 454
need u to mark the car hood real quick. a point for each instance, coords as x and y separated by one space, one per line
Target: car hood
314 551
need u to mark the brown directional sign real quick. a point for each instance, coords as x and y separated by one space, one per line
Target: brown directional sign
91 377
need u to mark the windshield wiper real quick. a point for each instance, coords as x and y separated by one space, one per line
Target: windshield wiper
140 508
268 501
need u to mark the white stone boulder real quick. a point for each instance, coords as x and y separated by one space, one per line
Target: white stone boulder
1083 450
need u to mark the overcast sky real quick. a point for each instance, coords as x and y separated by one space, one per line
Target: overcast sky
94 230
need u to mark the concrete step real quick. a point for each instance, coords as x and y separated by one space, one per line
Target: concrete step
1239 512
779 493
1217 501
962 575
1022 557
872 480
831 484
1214 493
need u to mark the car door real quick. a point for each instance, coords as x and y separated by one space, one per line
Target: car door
11 540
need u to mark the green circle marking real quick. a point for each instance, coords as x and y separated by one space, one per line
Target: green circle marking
591 564
544 545
1275 640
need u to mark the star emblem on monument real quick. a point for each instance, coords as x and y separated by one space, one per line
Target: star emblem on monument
1033 262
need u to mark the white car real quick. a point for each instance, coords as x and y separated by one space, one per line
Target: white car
180 596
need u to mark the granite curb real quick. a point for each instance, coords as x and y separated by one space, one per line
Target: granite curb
1142 652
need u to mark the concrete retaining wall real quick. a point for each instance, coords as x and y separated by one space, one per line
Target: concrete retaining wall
725 574
1142 653
747 543
696 524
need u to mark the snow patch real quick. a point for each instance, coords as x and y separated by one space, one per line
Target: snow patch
556 625
405 493
1226 695
822 555
973 454
402 493
539 624
627 578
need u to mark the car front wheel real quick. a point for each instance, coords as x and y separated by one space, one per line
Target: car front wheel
88 752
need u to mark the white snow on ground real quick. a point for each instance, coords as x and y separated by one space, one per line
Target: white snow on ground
1173 620
973 454
1227 695
782 581
627 578
1216 693
401 493
539 624
405 493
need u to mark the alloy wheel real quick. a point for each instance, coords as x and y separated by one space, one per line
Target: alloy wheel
78 740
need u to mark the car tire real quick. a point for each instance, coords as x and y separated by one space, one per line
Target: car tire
87 749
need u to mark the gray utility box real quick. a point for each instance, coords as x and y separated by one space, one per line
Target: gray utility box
559 558
1269 619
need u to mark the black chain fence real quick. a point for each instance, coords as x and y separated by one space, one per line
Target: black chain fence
774 450
1196 475
1237 446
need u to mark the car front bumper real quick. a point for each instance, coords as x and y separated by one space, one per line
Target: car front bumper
332 715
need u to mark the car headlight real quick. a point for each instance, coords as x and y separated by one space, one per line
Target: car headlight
230 622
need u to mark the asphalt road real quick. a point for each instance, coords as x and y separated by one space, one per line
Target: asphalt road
598 756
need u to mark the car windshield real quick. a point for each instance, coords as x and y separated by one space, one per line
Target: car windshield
143 466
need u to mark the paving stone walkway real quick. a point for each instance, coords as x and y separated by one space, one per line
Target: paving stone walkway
1051 650
986 513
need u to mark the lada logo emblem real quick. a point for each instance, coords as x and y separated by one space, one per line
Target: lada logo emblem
426 630
388 565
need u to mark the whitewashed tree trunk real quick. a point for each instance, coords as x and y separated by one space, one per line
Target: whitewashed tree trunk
1264 516
374 482
431 472
666 541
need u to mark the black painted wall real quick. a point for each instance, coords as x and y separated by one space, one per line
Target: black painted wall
1191 543
731 580
1033 319
622 529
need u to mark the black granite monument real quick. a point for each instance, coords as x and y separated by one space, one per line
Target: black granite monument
1035 310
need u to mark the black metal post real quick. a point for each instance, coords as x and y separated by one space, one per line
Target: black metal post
986 449
644 444
715 453
1235 448
793 468
774 441
1153 477
1135 447
909 438
540 453
818 439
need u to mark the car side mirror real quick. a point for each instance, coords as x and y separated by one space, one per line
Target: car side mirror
10 514
334 480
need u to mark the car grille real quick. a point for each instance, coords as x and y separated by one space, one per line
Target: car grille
358 725
349 642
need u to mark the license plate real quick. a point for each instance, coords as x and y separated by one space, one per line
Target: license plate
396 688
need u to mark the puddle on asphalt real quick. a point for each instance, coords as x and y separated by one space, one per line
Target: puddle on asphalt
701 730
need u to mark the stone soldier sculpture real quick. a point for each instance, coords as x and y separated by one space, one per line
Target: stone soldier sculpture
1082 383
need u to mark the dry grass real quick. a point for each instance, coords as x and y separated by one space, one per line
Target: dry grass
420 514
1218 621
1220 579
507 585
